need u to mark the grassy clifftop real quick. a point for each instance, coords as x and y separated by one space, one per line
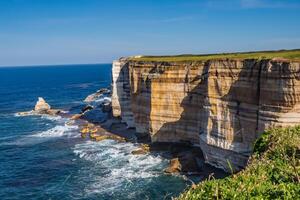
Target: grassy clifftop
287 54
273 171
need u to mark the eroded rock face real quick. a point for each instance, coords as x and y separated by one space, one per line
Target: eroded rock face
220 105
121 101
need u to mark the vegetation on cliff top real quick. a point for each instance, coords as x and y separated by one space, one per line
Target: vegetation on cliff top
273 171
286 54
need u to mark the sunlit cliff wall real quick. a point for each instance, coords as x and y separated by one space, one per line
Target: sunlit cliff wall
219 105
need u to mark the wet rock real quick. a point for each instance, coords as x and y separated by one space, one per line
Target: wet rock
97 95
97 133
87 108
95 115
76 116
97 137
175 167
143 149
106 107
53 112
84 132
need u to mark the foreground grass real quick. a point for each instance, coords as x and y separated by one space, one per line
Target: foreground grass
287 54
273 171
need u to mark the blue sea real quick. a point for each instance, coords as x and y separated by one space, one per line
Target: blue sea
43 157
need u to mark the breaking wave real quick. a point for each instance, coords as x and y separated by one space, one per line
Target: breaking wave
61 129
58 131
49 117
119 168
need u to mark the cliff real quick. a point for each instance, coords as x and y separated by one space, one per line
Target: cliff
220 105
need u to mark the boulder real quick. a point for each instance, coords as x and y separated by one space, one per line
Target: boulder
143 149
174 168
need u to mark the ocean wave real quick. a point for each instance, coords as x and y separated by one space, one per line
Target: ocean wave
53 118
55 132
103 99
43 116
117 165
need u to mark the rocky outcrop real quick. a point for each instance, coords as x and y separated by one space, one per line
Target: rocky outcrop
41 105
219 105
41 108
97 95
175 167
143 149
97 133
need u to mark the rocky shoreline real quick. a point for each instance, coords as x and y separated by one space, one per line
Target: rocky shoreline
184 159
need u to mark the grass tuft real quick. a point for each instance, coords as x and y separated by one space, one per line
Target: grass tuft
272 173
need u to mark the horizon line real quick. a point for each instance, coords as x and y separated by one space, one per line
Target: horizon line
51 65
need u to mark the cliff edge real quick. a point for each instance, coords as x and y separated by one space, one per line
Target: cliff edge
220 105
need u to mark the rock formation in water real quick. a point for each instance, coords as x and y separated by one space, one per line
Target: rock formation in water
41 107
97 95
219 105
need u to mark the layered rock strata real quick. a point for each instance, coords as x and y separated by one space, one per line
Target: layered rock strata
121 101
219 105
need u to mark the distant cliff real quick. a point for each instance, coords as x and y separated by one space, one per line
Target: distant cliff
220 105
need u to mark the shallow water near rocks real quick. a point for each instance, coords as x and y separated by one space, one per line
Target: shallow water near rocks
43 157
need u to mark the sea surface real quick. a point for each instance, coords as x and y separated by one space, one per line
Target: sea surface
42 157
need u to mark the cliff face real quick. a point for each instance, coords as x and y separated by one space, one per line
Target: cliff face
220 105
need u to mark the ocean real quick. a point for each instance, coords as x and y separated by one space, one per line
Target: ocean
43 157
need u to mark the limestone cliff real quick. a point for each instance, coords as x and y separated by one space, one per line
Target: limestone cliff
219 105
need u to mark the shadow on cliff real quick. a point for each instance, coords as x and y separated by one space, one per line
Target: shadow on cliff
220 115
232 114
185 131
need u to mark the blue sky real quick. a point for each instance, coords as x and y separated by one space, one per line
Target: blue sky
34 32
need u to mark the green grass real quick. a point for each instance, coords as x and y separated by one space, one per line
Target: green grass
287 54
273 171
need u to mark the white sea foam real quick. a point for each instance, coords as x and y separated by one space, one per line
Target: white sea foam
70 131
57 131
53 118
43 116
103 99
117 165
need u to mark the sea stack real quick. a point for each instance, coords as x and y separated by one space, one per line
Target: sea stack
41 106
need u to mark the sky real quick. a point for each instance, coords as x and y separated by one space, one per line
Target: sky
45 32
